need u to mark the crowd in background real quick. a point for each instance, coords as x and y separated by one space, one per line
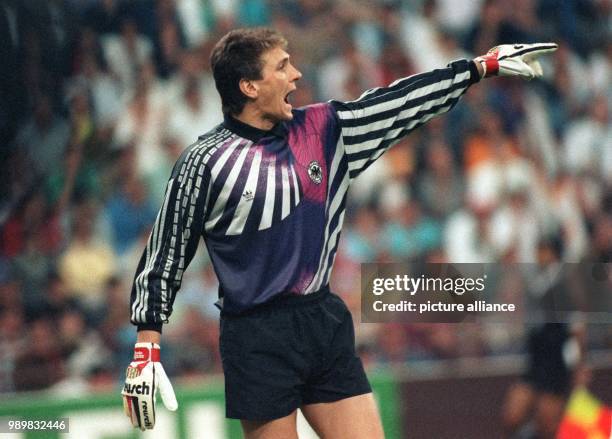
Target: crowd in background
99 97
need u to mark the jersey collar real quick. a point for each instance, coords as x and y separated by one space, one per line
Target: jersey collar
252 133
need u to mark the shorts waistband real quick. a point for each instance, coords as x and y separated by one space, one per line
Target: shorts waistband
284 300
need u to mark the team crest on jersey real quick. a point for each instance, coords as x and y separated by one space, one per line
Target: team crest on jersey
315 172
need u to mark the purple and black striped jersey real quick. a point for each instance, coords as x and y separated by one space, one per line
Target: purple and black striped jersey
270 204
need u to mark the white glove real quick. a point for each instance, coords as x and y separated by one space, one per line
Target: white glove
515 60
143 377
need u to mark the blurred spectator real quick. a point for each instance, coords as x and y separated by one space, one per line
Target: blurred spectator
12 342
105 16
86 264
43 138
156 181
195 348
556 357
348 74
467 235
142 121
167 36
457 16
200 293
52 31
409 233
130 213
581 23
440 188
40 364
81 346
253 13
502 23
13 96
194 73
394 62
127 52
564 199
197 20
33 219
515 225
432 49
361 240
364 24
105 91
114 327
365 190
394 346
32 265
56 299
602 239
588 141
193 115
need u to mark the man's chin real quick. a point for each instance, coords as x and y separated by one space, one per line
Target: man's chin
286 116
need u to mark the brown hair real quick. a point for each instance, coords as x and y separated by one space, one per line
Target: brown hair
238 56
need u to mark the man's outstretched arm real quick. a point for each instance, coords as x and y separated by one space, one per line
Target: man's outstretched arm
381 117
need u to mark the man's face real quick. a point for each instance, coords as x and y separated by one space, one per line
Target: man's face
278 81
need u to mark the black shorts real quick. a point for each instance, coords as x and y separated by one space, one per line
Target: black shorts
293 351
547 371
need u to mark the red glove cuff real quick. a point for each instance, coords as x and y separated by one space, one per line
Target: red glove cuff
490 61
146 352
492 64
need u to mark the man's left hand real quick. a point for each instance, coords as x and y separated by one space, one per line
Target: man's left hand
144 377
515 60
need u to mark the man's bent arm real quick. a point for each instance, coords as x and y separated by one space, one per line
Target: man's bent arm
172 243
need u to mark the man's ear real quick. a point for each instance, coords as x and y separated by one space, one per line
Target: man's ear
249 88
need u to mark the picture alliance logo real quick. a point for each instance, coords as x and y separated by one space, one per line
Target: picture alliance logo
138 389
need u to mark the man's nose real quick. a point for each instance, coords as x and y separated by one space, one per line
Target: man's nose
297 74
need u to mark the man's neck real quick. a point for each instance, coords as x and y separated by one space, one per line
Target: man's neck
254 118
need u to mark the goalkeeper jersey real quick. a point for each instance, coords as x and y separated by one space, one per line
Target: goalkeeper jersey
270 204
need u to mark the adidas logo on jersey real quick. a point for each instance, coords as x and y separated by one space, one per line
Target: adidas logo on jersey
248 195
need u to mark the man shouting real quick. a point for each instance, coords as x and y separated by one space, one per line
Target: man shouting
266 190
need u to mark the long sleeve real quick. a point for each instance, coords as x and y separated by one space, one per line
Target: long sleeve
382 116
172 243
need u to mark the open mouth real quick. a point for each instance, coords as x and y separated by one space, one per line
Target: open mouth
287 97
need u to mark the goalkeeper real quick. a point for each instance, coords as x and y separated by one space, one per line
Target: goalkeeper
266 190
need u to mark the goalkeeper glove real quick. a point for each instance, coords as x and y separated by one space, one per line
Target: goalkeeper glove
515 60
142 378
